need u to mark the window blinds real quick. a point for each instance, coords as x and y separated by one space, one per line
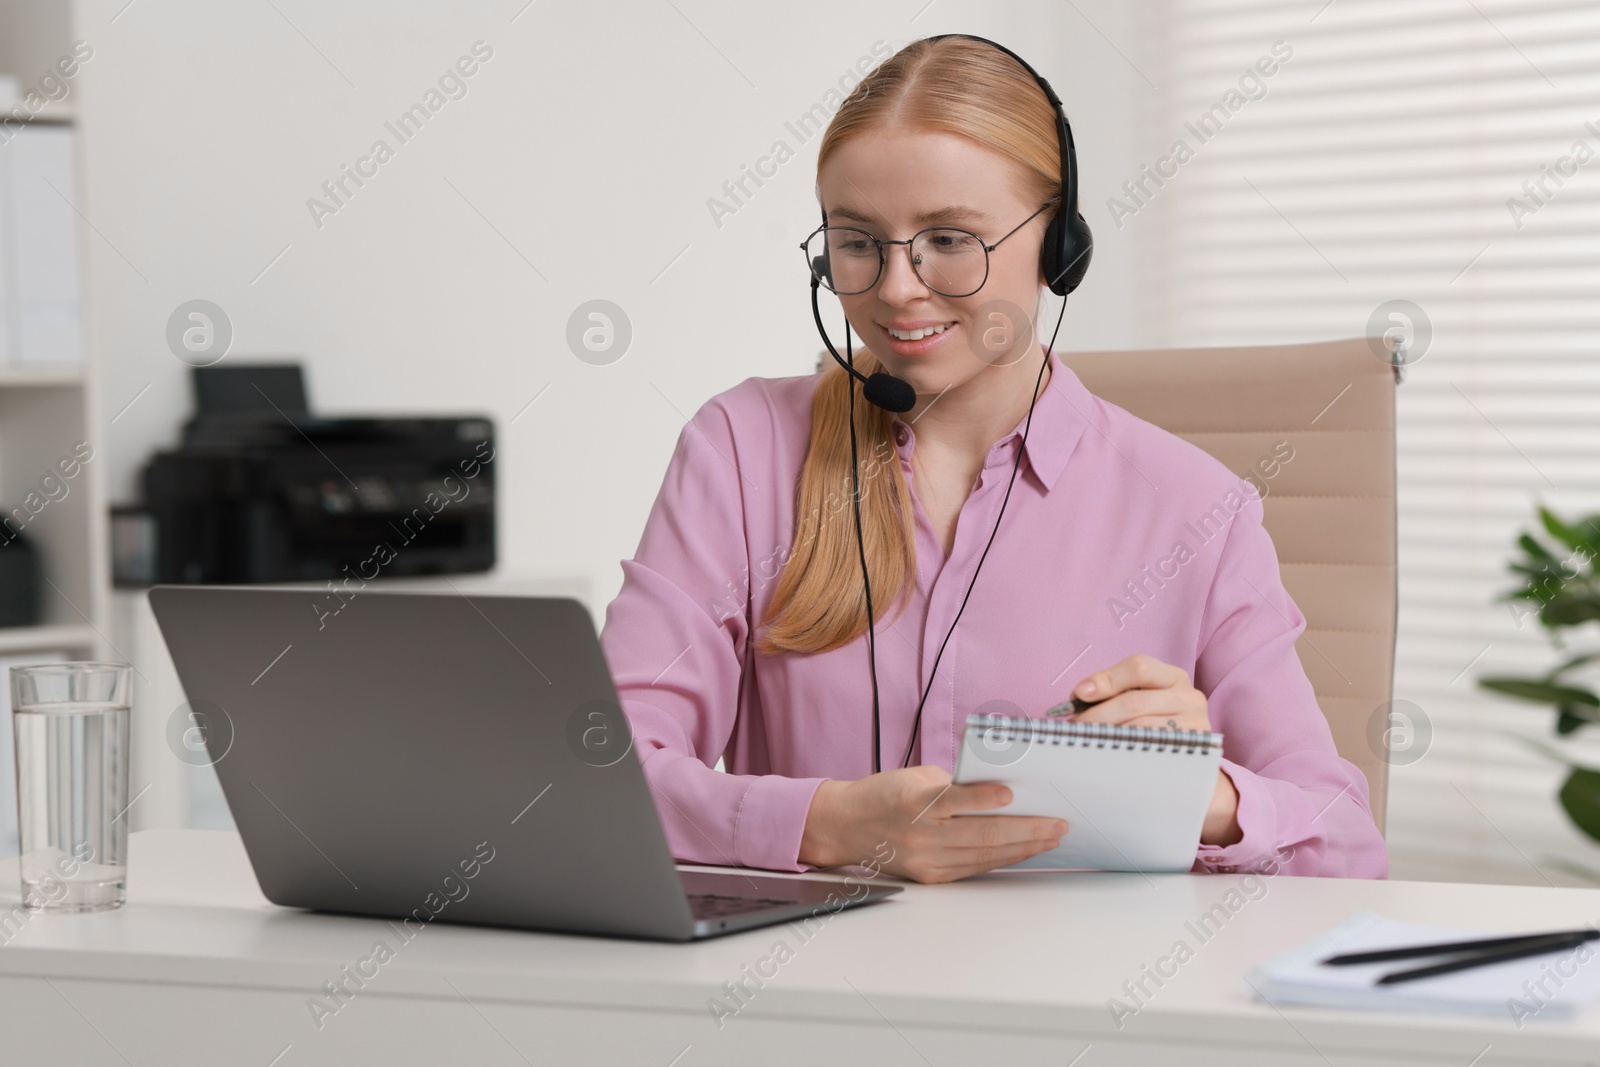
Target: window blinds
1431 167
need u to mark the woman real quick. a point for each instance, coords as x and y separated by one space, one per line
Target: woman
741 629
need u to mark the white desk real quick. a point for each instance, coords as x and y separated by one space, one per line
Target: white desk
198 968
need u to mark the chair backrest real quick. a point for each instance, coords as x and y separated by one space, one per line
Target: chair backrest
1330 508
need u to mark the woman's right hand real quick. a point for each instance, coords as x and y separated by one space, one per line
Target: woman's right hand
914 810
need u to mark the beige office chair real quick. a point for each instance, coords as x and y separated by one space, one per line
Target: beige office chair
1330 510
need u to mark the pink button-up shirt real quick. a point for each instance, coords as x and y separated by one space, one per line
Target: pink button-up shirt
1119 538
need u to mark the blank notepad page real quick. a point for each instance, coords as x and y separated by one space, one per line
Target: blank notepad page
1134 797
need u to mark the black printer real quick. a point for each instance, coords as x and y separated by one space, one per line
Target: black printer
260 490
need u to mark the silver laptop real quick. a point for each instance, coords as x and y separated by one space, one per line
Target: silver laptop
444 757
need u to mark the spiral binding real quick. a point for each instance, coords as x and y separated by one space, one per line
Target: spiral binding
1093 734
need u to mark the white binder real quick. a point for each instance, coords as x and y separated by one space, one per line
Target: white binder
38 247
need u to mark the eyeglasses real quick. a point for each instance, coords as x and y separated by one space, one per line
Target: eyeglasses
952 262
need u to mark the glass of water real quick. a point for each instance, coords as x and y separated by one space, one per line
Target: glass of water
71 731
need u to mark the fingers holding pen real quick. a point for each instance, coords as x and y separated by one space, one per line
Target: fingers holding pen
1141 691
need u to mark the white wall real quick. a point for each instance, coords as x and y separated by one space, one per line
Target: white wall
589 143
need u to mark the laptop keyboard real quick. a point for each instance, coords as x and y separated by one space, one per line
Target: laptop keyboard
712 905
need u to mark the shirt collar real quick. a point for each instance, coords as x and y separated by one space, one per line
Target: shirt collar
1059 418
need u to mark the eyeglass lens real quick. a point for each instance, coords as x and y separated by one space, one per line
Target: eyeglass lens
950 262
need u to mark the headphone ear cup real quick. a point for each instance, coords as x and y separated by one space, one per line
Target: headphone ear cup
1068 247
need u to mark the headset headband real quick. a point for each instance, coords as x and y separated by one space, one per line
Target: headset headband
1069 155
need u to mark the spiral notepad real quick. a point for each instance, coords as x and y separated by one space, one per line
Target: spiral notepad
1134 797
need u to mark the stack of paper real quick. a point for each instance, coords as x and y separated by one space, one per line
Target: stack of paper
1558 985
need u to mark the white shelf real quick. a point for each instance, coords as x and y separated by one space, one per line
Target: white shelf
41 374
39 638
49 408
63 113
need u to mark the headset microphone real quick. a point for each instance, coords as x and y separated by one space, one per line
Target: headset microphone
883 389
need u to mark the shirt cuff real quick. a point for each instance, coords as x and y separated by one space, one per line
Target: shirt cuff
771 822
1257 817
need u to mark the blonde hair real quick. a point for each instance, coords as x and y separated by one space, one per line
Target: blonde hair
957 86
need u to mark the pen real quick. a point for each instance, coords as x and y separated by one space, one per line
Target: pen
1072 707
1440 948
1537 947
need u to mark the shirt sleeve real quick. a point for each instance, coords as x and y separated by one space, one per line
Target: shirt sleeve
675 640
1303 809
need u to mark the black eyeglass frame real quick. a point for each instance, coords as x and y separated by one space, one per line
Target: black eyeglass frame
883 260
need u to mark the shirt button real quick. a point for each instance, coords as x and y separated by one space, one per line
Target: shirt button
1226 870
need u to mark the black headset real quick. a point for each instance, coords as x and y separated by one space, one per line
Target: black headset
1068 244
1064 258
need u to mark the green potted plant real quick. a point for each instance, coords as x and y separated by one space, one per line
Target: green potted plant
1567 594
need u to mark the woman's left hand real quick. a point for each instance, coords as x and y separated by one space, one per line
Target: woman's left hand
1144 691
